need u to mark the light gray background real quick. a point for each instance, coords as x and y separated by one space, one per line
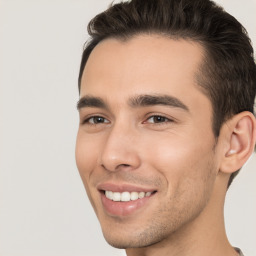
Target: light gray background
44 210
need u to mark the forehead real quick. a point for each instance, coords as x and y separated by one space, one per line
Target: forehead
144 64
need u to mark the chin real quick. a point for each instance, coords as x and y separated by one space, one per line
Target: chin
123 239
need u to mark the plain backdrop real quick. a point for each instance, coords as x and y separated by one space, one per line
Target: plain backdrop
44 210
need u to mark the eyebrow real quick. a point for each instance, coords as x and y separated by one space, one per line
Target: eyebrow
135 102
151 100
90 101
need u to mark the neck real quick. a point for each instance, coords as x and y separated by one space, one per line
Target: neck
205 235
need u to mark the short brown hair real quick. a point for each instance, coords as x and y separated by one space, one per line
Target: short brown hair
228 74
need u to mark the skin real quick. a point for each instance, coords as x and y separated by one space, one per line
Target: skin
175 155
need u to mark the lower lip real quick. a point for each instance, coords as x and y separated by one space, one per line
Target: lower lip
123 208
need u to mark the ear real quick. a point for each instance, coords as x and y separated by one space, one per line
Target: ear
240 136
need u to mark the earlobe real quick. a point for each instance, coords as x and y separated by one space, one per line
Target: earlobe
241 136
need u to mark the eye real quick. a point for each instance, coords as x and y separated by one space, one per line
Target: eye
158 119
93 120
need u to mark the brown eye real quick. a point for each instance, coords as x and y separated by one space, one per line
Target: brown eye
97 120
158 119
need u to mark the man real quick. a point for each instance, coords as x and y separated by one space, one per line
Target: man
167 90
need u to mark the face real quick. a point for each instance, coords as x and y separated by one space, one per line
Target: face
145 146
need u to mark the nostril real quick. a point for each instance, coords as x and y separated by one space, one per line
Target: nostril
119 161
123 167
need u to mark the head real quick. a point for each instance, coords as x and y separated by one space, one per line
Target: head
193 37
228 74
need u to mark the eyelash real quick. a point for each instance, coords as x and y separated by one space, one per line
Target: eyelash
159 122
87 120
104 120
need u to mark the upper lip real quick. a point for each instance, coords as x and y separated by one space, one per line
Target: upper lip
123 188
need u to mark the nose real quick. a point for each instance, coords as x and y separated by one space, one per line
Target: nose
119 151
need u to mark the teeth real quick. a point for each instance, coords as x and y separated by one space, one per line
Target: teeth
148 193
116 197
135 195
141 194
126 196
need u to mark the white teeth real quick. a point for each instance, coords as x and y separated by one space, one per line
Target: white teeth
126 196
116 196
148 193
141 194
109 194
135 195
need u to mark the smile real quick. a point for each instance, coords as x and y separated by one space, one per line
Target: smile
125 200
126 196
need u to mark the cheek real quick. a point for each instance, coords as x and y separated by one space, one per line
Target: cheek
189 171
182 160
86 156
